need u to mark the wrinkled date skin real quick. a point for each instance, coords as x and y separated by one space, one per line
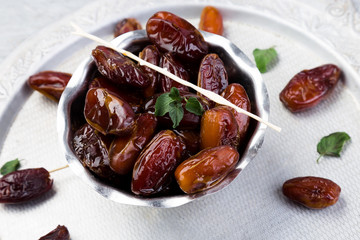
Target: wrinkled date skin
92 151
189 121
107 113
173 34
126 25
212 74
312 192
49 83
211 20
152 55
118 68
59 233
191 139
24 185
156 164
236 94
307 88
176 68
206 169
218 127
125 150
130 95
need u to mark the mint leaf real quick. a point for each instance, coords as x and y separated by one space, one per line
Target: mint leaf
332 144
194 106
162 105
176 113
175 94
10 166
263 57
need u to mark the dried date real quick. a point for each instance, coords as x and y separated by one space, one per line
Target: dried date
152 55
126 25
23 185
59 233
49 83
211 20
312 192
173 34
307 88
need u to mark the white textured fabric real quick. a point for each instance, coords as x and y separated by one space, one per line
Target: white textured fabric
252 206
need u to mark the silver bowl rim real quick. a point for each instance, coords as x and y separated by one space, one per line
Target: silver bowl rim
76 83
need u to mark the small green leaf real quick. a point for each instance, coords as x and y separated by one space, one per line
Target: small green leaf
332 144
263 57
176 113
194 106
175 94
10 166
162 105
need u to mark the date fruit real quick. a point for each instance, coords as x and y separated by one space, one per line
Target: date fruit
307 88
118 68
152 55
312 192
211 20
212 74
236 94
125 150
23 185
206 169
176 68
191 139
156 164
49 83
91 149
219 127
173 34
107 113
126 25
59 233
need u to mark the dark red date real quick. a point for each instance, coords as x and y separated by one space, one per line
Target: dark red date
152 55
173 34
191 139
59 233
309 87
125 150
49 83
118 68
212 74
107 113
24 185
176 68
156 164
126 25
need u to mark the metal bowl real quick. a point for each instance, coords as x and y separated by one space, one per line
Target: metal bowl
240 69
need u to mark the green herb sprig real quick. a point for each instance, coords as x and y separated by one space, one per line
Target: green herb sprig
10 166
171 102
263 57
332 144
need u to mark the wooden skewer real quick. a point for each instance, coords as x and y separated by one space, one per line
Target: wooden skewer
58 169
211 95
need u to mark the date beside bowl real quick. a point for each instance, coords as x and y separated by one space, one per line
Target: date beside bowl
70 118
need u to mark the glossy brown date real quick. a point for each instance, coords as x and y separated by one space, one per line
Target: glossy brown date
173 34
107 113
309 87
132 96
59 233
236 94
152 55
189 121
118 68
156 164
312 192
206 169
126 25
191 139
125 150
176 68
92 151
211 20
212 74
49 83
218 127
24 185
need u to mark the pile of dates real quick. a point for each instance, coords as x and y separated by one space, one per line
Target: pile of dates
126 145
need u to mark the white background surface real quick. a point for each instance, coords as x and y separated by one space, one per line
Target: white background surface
252 207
